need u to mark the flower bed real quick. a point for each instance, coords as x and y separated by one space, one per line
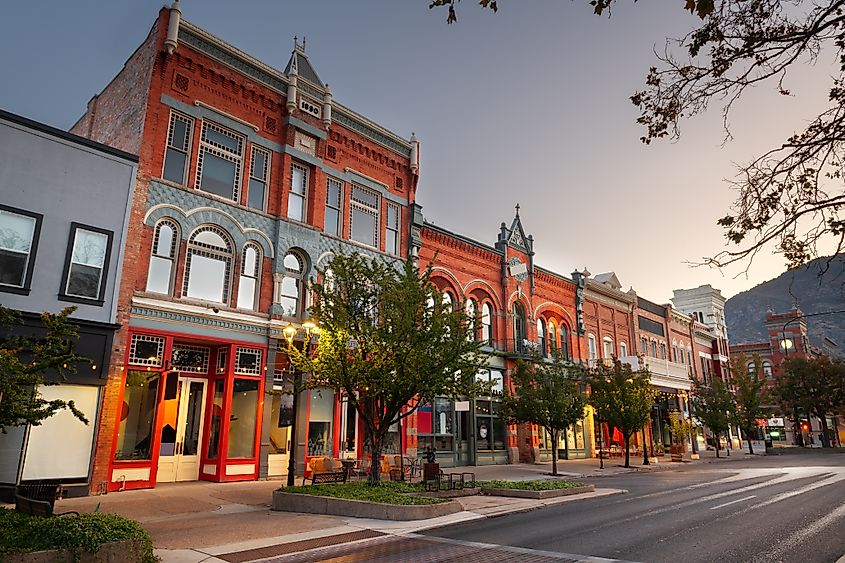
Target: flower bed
389 492
534 489
73 537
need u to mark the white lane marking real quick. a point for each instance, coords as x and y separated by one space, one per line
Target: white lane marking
521 550
829 480
809 529
732 502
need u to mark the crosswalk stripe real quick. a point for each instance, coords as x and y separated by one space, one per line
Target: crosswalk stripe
732 502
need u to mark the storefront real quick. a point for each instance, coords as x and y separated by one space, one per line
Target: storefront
190 409
573 443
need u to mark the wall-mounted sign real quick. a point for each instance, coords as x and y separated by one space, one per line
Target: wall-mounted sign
778 421
461 406
517 269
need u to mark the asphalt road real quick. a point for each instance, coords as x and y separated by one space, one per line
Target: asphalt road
774 509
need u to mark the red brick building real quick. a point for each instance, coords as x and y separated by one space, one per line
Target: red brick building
249 179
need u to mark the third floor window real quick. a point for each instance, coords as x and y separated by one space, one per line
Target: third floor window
219 164
298 190
334 204
365 216
178 148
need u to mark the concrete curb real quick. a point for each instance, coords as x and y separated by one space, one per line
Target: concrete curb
313 504
551 493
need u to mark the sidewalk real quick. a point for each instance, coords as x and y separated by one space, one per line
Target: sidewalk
190 522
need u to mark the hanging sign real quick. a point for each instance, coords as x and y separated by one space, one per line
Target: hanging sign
461 406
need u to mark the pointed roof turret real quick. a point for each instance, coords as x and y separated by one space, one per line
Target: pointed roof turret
300 65
517 236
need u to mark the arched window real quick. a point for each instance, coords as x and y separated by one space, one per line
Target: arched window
682 354
752 367
472 319
447 302
248 285
592 347
767 369
644 346
623 349
519 326
163 257
607 343
208 265
487 324
662 351
291 291
564 342
653 348
552 338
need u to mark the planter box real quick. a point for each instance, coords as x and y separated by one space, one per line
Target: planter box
520 493
115 552
313 504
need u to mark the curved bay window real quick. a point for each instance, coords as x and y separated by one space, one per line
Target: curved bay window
208 265
162 257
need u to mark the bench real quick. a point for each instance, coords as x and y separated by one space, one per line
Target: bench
34 507
329 477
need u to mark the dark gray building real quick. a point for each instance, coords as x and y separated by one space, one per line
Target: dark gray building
64 207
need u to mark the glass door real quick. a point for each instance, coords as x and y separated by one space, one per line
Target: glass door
181 432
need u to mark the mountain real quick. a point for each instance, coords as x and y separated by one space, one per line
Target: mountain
815 288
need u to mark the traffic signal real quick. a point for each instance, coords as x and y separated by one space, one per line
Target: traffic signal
805 426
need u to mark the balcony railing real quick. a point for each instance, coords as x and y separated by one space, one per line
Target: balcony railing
664 372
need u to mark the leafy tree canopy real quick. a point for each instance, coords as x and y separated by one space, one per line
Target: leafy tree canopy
749 397
388 342
622 397
714 405
816 386
547 394
791 197
26 363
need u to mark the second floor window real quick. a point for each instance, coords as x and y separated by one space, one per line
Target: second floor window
88 260
591 347
334 204
259 170
208 265
290 292
391 237
219 165
18 238
250 275
298 188
365 216
178 148
487 324
162 257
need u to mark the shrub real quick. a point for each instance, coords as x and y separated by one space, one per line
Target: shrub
542 485
387 492
20 533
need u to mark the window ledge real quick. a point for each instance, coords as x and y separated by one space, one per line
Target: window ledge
13 289
83 300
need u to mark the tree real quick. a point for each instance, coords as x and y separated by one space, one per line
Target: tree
28 362
749 396
791 196
714 405
813 385
546 394
387 344
622 397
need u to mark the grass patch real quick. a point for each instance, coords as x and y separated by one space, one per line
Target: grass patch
20 533
541 485
389 492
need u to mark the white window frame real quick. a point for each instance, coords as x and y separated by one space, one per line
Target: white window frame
592 347
30 252
264 179
395 229
487 328
184 148
607 346
302 197
221 152
70 262
170 257
201 249
338 231
255 275
364 207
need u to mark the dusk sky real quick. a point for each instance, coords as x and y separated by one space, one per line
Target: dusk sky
526 106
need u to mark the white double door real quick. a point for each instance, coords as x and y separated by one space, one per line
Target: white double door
179 454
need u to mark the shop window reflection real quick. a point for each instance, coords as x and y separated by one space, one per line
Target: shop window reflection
134 435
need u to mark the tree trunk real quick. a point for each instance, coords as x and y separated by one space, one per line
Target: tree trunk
718 443
554 434
750 447
645 448
627 450
825 437
375 463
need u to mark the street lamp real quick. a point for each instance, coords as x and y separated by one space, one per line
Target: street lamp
289 333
